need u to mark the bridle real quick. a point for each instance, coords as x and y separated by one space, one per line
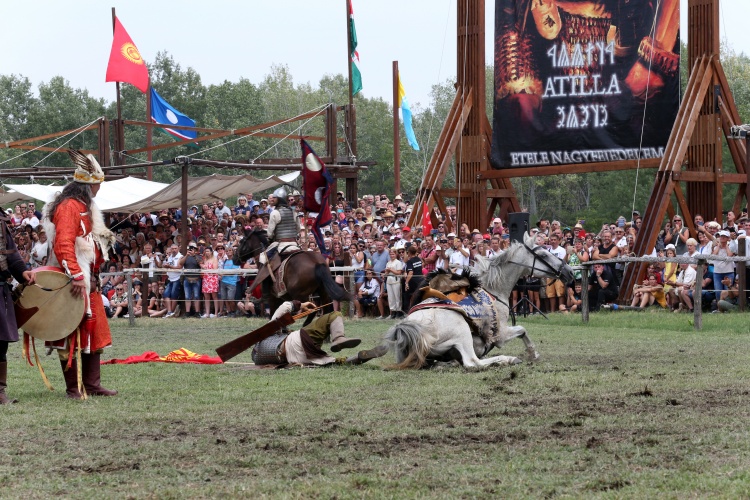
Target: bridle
547 267
255 250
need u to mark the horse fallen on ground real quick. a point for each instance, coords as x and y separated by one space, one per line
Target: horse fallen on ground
437 334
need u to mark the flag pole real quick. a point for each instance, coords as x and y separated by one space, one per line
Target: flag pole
396 139
149 136
349 50
118 146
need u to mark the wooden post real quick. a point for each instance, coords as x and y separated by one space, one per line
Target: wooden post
349 50
585 294
131 311
149 136
119 139
396 138
697 299
471 158
184 205
741 273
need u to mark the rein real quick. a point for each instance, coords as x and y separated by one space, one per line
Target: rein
557 273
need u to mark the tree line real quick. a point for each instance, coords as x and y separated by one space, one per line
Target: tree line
56 106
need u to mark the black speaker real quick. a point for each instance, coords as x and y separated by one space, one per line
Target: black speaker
518 224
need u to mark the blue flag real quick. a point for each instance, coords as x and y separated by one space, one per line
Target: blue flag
163 113
406 115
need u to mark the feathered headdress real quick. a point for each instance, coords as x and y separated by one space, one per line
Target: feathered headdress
88 170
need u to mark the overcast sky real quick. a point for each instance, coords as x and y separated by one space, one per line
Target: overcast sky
227 40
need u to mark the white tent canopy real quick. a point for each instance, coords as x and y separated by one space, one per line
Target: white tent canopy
131 194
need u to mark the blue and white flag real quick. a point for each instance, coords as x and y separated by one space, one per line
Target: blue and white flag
164 113
406 115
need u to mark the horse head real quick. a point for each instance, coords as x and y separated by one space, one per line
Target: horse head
251 246
544 264
500 274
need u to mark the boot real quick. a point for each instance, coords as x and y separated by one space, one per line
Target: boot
338 340
71 379
365 356
92 376
4 400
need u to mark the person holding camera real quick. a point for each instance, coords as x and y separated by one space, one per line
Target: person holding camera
192 283
722 269
678 235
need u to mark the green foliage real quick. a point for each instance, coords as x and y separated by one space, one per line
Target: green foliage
596 197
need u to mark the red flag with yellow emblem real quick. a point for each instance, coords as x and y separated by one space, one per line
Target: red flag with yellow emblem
125 62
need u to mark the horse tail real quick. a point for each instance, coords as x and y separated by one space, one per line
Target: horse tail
410 344
332 289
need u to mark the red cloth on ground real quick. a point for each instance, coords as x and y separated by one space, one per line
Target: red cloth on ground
178 356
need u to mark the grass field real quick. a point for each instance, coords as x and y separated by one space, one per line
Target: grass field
631 405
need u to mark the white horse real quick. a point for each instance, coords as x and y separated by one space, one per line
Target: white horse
441 334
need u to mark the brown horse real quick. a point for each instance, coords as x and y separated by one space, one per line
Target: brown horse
306 273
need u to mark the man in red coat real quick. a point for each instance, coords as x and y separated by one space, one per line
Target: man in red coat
80 240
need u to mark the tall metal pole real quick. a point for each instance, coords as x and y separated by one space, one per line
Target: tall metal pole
396 138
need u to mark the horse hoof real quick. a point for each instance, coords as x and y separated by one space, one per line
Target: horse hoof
515 361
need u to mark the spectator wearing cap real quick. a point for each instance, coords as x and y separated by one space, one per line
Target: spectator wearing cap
251 203
388 219
228 284
192 282
263 208
497 226
722 269
172 291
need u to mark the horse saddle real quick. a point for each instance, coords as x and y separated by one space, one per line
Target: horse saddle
477 308
275 268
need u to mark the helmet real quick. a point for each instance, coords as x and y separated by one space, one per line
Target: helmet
280 192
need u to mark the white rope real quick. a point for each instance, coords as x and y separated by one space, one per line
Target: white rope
645 107
440 67
80 130
319 110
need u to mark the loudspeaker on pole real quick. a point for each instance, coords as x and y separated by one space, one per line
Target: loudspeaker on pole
518 225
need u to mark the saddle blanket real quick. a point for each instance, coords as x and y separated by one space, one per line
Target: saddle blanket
476 308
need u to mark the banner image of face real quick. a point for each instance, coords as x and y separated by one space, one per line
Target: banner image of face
582 81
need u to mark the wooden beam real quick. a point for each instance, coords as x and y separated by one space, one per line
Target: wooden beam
578 168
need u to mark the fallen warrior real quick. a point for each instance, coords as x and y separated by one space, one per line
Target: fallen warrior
303 347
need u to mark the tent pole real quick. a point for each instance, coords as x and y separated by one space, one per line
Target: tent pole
184 218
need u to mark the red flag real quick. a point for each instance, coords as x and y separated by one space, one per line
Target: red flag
426 221
316 186
125 62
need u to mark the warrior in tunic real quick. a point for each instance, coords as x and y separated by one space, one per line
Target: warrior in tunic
80 240
11 265
304 346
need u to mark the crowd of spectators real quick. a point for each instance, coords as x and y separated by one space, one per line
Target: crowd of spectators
389 258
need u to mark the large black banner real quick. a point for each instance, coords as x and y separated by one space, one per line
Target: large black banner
580 81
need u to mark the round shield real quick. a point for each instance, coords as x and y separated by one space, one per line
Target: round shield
59 311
